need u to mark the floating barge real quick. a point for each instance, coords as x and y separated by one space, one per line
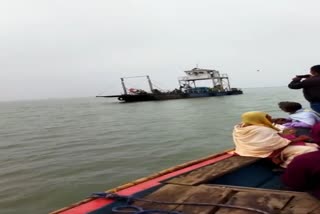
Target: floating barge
219 184
187 88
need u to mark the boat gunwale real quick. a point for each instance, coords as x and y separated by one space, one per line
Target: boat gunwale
254 189
228 152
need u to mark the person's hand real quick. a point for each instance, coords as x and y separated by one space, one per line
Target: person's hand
279 120
276 160
296 78
289 131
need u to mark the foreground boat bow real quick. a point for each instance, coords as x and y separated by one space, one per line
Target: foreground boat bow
221 183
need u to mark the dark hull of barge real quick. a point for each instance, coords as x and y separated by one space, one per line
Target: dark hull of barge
169 96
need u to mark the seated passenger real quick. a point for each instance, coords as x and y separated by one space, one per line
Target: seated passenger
303 173
257 137
298 117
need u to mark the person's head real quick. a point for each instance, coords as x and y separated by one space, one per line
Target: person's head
257 118
290 107
315 70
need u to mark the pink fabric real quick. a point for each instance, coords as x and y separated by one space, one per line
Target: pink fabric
315 133
303 173
291 137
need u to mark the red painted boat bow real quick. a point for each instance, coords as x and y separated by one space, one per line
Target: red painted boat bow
90 205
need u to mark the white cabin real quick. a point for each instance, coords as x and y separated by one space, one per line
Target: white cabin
218 80
200 74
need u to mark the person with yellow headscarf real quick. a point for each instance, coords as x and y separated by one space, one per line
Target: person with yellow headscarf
256 136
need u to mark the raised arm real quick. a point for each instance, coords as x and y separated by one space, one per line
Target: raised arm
296 83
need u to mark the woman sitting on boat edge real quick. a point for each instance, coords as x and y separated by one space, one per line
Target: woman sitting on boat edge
256 136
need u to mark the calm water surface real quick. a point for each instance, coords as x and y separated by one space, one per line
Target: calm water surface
56 152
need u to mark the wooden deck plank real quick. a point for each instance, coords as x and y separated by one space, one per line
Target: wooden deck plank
212 171
271 203
316 211
204 194
169 193
302 203
183 194
253 189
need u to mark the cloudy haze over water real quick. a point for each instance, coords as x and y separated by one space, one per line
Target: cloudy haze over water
80 48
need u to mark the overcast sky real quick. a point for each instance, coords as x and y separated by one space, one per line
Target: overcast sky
79 48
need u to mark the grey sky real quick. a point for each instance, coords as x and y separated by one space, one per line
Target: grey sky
74 48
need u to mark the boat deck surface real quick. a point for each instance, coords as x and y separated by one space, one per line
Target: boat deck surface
270 201
210 184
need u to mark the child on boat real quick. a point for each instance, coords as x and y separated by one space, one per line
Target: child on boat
257 137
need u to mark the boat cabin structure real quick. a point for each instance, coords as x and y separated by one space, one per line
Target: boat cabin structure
220 82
